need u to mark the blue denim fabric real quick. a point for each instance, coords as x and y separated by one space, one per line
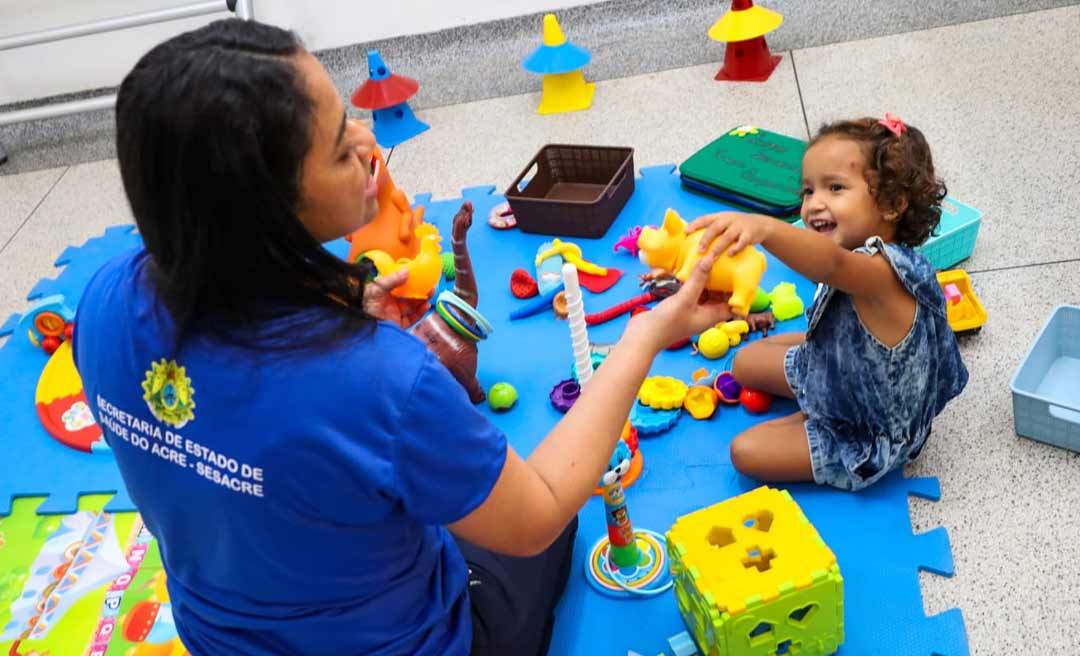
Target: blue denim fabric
869 407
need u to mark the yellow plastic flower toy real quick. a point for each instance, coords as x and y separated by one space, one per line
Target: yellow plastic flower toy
662 392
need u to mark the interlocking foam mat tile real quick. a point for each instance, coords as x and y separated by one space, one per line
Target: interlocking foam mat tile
686 468
31 462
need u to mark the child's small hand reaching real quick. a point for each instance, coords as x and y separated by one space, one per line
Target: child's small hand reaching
726 228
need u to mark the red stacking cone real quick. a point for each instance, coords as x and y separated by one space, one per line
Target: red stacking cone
747 57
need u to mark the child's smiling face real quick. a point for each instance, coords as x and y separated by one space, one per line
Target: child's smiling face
836 197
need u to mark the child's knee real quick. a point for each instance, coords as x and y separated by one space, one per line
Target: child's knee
741 365
743 453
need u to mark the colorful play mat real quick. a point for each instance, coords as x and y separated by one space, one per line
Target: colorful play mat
685 468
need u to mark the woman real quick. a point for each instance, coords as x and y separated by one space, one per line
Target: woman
309 468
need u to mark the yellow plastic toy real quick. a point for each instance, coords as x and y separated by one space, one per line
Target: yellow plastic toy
571 253
713 343
671 249
744 25
963 308
735 330
662 392
752 573
700 402
425 270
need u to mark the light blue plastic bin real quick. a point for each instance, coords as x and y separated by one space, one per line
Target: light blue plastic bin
954 239
1046 386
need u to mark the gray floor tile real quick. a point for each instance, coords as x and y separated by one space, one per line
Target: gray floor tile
665 116
992 98
1008 503
19 195
88 199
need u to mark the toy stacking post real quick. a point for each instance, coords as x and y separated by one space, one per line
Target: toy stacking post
560 62
746 57
386 95
623 552
625 563
579 334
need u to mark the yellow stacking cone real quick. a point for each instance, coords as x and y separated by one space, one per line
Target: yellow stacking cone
565 92
560 62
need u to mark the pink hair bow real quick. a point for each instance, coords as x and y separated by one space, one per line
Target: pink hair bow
893 124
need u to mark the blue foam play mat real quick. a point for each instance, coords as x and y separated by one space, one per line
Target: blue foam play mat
685 469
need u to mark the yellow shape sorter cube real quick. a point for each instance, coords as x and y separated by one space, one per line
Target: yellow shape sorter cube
754 578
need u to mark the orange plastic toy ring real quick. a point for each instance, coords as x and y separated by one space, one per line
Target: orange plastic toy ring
49 324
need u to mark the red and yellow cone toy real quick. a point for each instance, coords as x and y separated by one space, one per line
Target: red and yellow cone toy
747 57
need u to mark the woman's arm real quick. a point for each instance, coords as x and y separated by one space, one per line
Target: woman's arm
534 499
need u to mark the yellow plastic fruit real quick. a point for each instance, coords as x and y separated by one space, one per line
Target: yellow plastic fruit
714 343
662 392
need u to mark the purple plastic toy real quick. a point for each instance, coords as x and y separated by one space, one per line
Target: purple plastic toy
727 387
564 394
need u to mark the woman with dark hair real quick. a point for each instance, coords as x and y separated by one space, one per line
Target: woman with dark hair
284 438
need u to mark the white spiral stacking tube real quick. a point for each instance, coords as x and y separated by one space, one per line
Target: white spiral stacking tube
579 335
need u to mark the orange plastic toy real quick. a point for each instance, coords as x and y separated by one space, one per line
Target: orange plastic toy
425 270
397 229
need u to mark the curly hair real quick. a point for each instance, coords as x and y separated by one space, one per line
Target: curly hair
899 172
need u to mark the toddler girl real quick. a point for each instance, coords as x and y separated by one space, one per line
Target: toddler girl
878 361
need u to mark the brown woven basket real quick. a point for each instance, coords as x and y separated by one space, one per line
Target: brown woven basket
575 191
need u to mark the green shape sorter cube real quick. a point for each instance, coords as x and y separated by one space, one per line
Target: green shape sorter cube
754 578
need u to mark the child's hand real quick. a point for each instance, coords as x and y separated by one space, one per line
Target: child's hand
726 228
384 306
686 313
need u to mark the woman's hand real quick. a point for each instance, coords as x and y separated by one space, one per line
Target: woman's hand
726 228
384 306
684 314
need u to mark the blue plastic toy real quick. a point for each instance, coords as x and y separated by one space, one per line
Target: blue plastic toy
386 95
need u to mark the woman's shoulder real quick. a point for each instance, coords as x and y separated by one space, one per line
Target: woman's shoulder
120 269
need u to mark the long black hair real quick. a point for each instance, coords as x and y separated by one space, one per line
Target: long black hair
212 127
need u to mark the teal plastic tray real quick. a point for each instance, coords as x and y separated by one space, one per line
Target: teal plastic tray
954 240
1046 386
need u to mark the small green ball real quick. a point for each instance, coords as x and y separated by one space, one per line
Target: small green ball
448 269
502 396
761 301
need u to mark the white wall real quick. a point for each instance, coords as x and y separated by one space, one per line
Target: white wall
102 60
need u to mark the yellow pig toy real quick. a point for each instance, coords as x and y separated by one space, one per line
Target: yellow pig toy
671 249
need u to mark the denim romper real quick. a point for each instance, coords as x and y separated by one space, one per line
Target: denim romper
869 407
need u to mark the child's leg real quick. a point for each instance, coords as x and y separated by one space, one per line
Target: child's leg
760 364
775 450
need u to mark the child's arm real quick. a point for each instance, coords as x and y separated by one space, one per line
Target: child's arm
813 255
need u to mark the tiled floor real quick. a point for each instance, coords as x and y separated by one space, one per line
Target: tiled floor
995 100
